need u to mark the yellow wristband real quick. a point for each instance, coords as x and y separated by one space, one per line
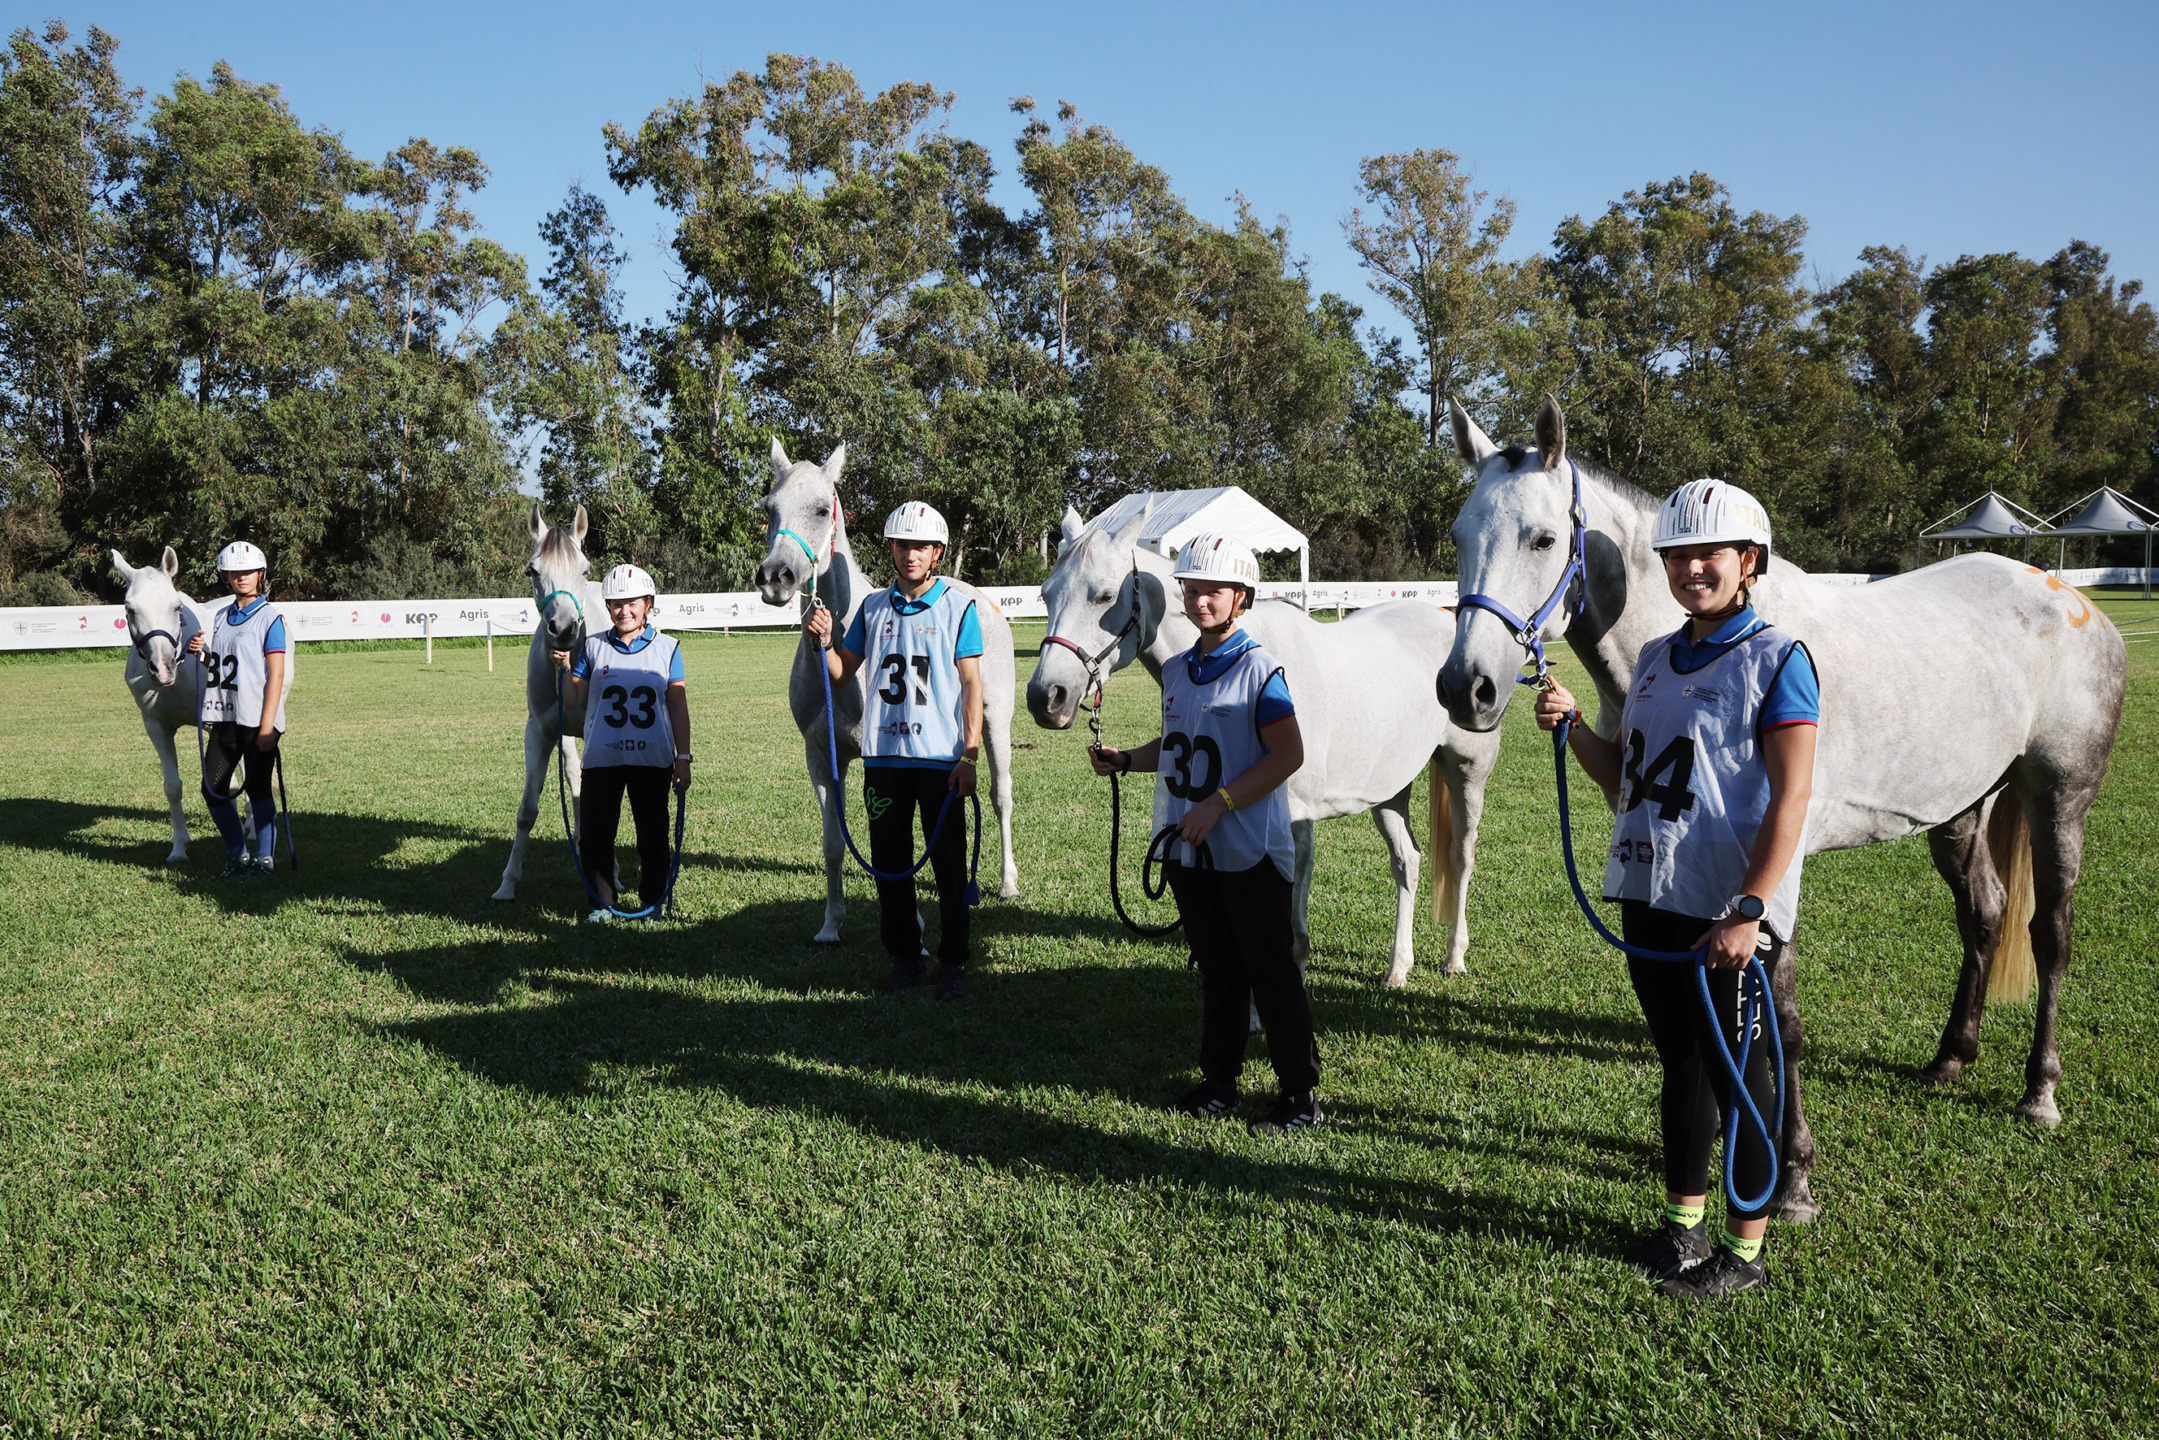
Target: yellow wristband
1227 803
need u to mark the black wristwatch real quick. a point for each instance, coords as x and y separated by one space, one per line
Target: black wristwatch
1748 907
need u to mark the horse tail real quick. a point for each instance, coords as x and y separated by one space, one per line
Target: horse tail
2013 970
1439 847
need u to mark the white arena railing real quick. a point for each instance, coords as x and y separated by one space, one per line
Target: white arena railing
82 626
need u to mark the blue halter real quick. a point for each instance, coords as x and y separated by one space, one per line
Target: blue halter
1528 633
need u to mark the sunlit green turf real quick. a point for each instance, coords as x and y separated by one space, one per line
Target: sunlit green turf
355 1151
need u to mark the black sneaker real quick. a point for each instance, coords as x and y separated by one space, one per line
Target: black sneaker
239 867
263 866
906 975
952 982
1722 1274
1291 1112
1207 1101
1670 1249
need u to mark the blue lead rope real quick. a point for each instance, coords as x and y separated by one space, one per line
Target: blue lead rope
839 805
1755 990
665 905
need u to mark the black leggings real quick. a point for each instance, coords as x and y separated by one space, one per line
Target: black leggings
893 794
600 816
224 749
1696 1089
1239 926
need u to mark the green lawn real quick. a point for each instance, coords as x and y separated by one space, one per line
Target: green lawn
356 1152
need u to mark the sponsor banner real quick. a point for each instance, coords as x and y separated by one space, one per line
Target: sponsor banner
1356 594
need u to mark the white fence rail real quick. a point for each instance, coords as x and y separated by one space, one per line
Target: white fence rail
78 627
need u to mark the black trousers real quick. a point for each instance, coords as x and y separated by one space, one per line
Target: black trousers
1239 927
894 795
600 807
1696 1089
225 747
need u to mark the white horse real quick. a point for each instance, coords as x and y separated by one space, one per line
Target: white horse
806 544
1367 713
165 680
558 570
2034 679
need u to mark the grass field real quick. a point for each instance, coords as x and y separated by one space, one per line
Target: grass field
356 1152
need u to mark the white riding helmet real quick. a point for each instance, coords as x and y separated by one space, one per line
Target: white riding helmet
917 521
627 582
1210 556
1712 512
240 556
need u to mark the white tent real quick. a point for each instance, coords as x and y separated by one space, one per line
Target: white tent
2106 511
1178 515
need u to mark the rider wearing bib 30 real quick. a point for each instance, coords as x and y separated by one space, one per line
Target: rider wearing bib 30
1229 742
243 708
1710 779
921 736
637 735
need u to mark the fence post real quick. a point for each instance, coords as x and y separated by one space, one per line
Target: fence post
490 644
430 637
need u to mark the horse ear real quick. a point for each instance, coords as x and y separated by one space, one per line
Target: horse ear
1471 443
171 563
121 569
1133 527
1070 527
578 525
834 463
780 463
1551 435
539 524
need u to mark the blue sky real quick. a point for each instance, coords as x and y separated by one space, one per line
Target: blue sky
1948 129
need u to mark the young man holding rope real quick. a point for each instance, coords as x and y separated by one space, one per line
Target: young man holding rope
637 736
1711 782
921 737
242 711
1230 733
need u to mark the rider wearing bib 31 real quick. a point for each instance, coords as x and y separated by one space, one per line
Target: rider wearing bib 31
243 708
921 736
1229 741
637 735
1710 781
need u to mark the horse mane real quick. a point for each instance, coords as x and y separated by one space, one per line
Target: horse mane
1620 487
560 543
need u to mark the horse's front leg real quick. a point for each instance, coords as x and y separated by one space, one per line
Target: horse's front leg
168 762
1795 1158
1392 818
831 794
528 809
1464 780
998 741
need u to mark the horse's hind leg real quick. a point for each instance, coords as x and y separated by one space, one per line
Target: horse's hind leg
528 809
1300 899
1392 818
1795 1160
1959 848
2057 813
168 762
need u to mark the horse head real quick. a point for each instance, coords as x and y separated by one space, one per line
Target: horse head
154 614
803 525
1103 611
1513 540
558 569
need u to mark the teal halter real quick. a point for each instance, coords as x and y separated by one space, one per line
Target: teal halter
806 550
570 595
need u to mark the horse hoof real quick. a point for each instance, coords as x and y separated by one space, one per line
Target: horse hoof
500 899
1009 892
1456 967
1942 1073
1397 979
823 944
173 861
1798 1205
2041 1112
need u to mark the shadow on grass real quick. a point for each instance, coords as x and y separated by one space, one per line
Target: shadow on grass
1472 1022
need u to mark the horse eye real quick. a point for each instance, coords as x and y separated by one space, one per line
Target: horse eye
1103 597
1544 542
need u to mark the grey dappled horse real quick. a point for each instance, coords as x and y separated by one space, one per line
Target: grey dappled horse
806 543
1367 714
558 570
2038 676
165 680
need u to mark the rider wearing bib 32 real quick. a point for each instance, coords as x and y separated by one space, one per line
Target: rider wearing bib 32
921 736
243 708
1229 742
1710 781
637 735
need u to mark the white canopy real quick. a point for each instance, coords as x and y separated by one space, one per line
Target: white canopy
1178 515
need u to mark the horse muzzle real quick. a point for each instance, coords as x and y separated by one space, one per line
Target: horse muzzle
777 581
1474 696
1054 705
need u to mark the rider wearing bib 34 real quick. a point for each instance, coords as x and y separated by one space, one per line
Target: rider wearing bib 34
1230 738
921 736
243 708
637 735
1711 780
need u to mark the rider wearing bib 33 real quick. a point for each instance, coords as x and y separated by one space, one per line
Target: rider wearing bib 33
1230 738
637 735
1710 781
243 708
921 736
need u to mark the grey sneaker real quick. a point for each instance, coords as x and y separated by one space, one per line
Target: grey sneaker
239 867
1671 1249
1722 1274
263 866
